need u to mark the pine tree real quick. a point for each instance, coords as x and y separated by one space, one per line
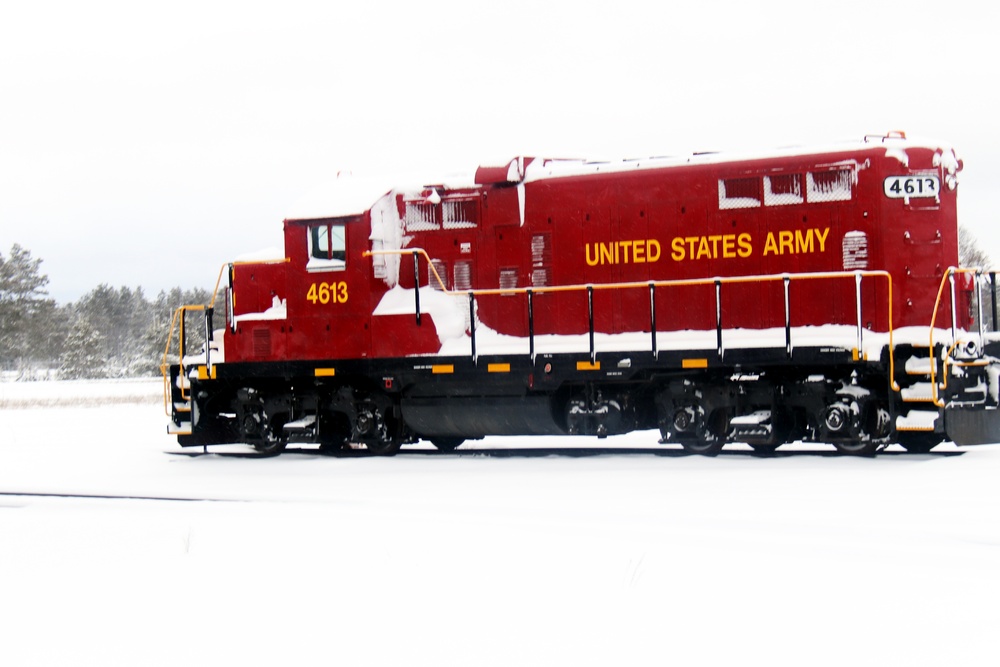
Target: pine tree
83 356
25 313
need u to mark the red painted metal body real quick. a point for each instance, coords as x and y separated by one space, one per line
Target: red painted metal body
542 224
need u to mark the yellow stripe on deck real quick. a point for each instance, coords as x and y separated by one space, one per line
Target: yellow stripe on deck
440 369
325 372
588 366
694 363
498 368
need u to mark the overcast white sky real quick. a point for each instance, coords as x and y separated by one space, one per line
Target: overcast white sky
145 144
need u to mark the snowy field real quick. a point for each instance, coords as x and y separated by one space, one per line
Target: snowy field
116 548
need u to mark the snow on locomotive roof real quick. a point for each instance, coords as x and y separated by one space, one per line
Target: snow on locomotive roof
349 195
895 146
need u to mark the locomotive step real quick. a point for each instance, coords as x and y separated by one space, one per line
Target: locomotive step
303 425
920 392
182 428
752 427
920 365
917 420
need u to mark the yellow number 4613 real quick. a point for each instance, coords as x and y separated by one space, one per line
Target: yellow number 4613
325 293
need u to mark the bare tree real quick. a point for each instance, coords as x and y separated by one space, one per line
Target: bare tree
969 251
972 255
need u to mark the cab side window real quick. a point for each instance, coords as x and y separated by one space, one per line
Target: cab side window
327 247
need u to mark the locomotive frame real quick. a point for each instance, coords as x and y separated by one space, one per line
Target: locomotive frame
436 354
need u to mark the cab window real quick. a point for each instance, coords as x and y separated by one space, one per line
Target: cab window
327 247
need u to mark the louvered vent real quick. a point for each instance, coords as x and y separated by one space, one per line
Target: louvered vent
261 342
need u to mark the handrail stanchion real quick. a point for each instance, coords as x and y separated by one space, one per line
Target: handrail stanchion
652 317
718 316
590 317
993 290
472 325
209 312
786 279
954 307
861 325
531 325
979 311
416 283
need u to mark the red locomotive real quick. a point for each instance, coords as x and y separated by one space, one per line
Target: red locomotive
801 295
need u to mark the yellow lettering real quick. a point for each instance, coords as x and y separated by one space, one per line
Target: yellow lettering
770 245
746 248
691 241
703 250
324 293
729 246
624 245
651 257
715 245
606 254
677 249
635 251
787 241
822 239
803 241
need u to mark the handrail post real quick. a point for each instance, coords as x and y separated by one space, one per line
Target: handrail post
979 312
993 290
231 302
857 300
183 336
182 342
954 307
786 280
209 312
590 317
472 325
531 325
652 317
416 283
718 316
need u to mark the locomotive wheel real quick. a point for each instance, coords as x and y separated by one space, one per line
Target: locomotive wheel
379 432
389 447
271 445
446 444
857 448
273 439
711 436
702 447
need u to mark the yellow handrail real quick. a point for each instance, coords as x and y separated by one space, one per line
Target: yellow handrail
693 282
164 367
935 397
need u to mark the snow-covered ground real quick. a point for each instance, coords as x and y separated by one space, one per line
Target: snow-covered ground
495 555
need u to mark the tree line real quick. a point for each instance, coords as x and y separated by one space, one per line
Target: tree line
107 333
120 332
